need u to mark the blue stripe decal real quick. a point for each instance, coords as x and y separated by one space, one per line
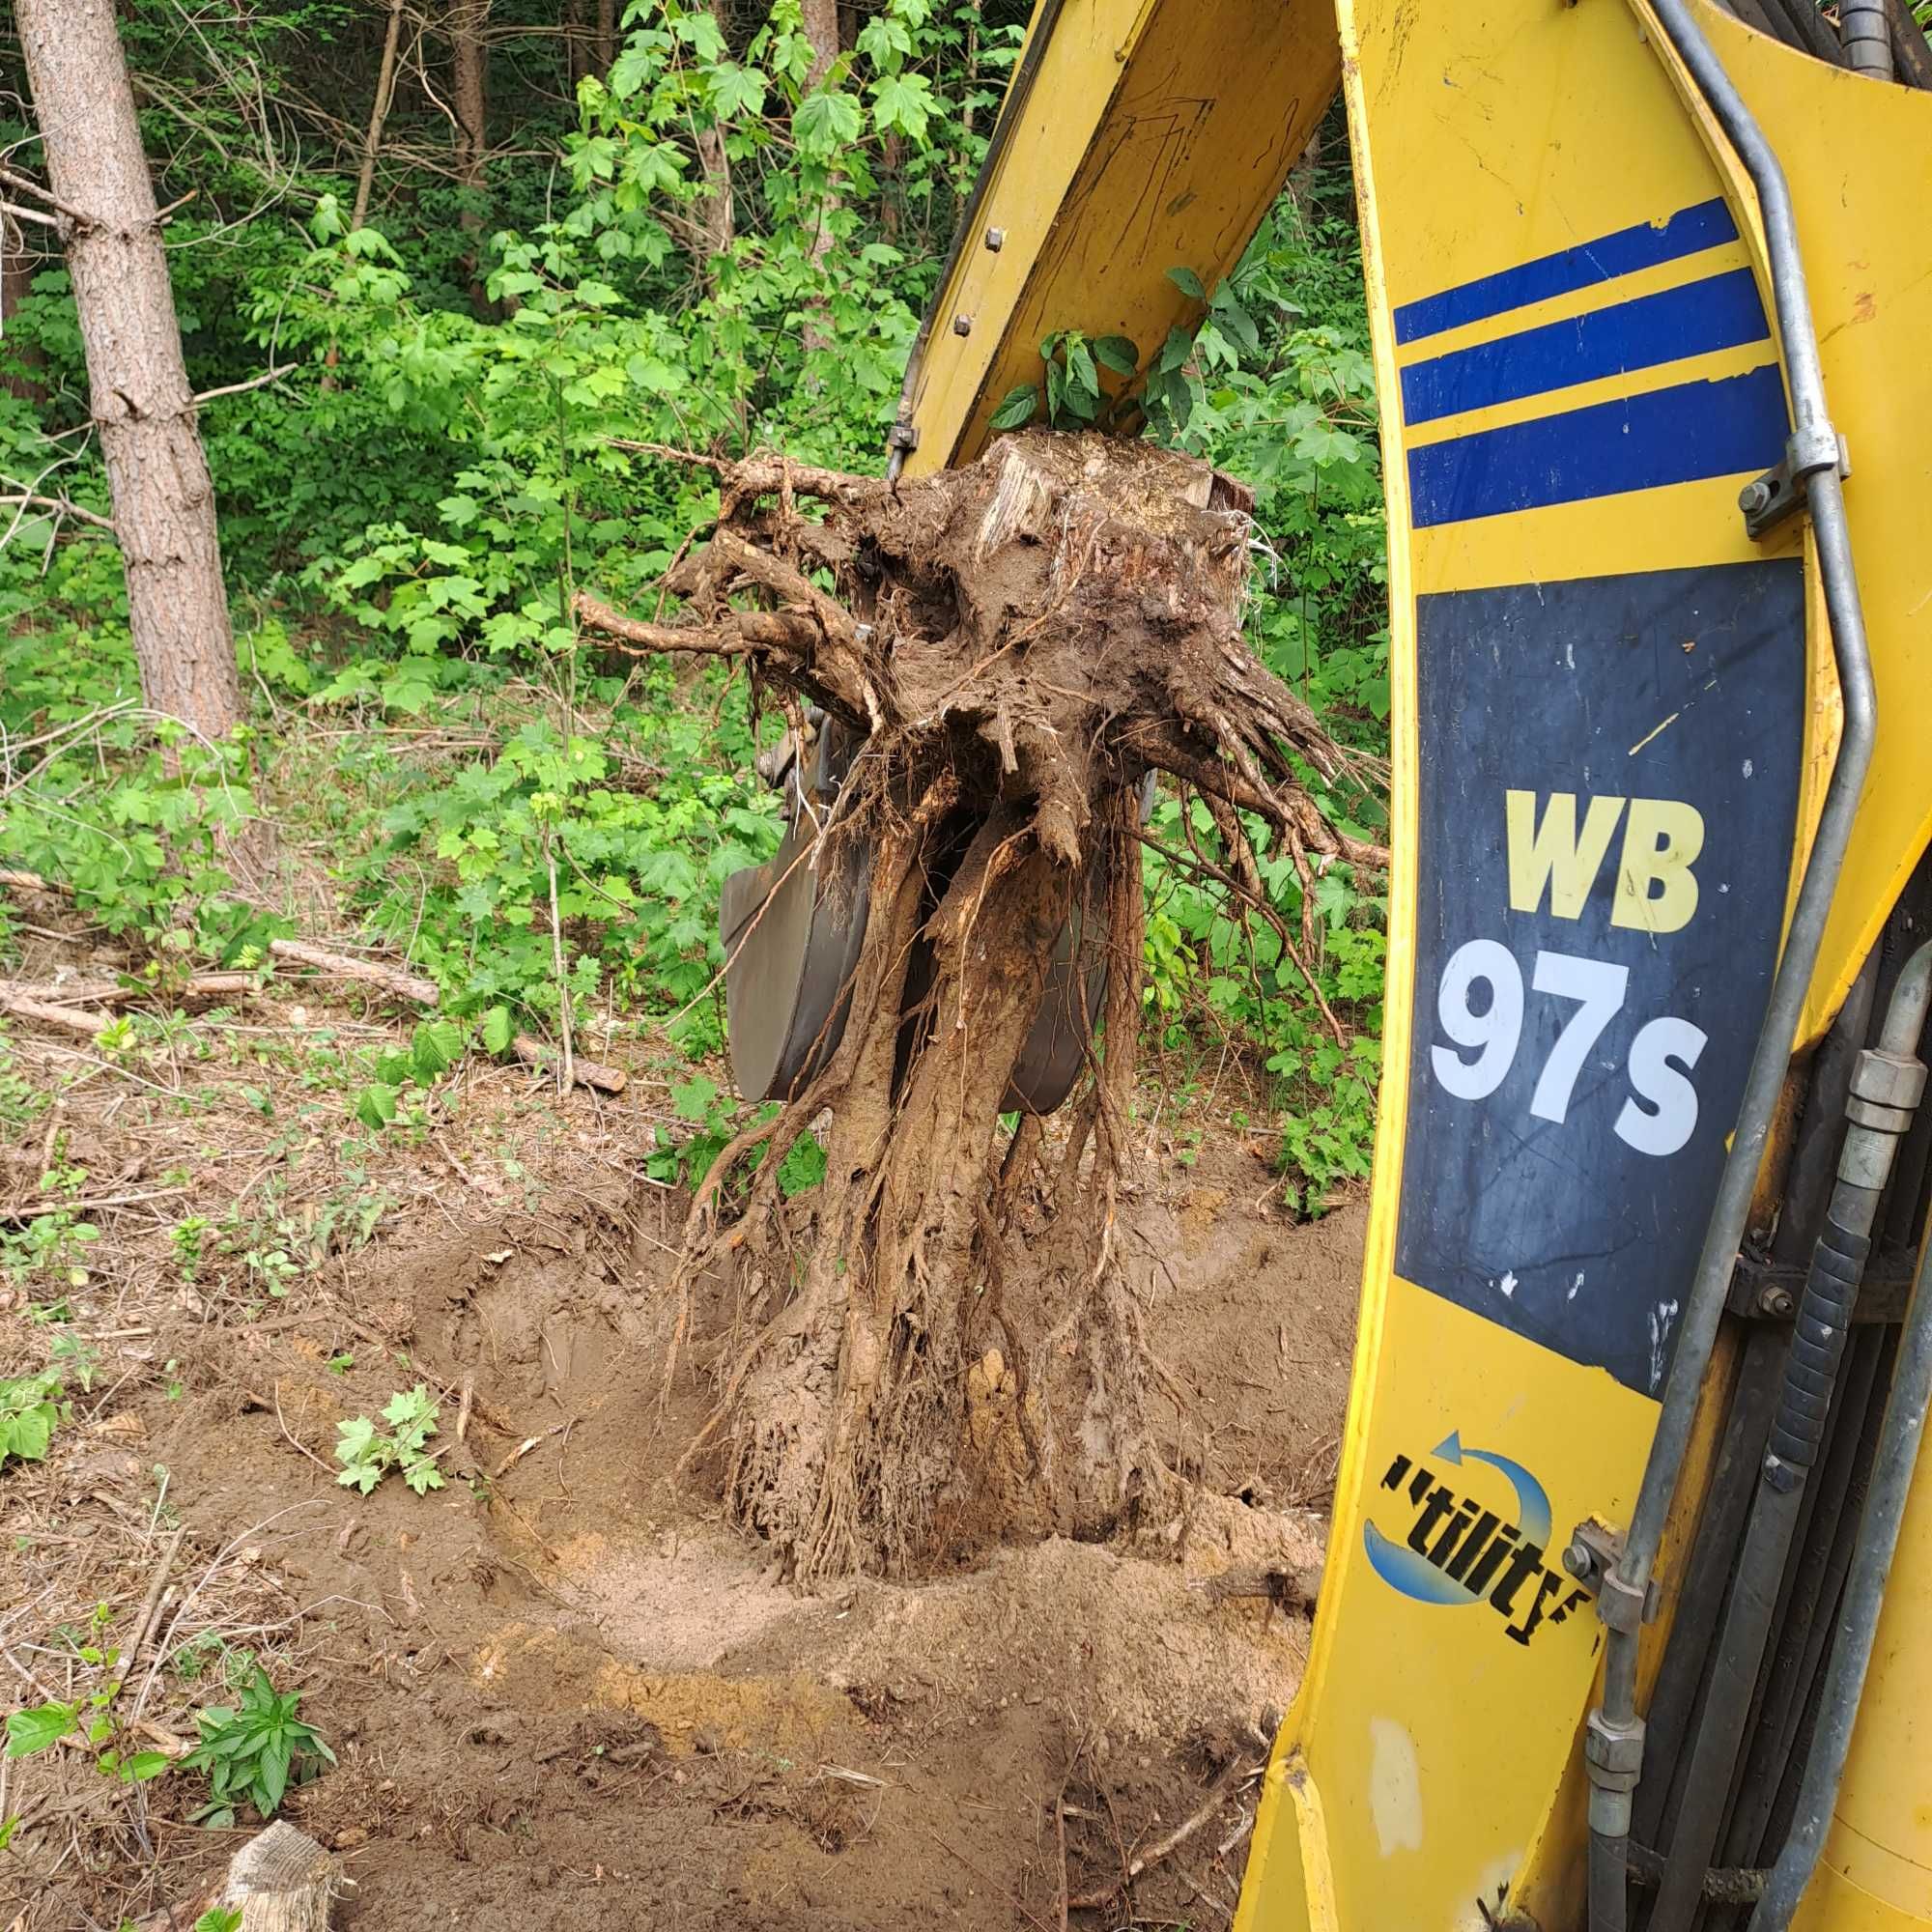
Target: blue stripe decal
1688 232
1720 312
1636 442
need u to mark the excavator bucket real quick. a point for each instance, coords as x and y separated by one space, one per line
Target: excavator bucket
792 929
1618 716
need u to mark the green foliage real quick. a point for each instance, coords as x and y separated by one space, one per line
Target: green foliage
31 1408
1075 392
50 1250
465 867
479 388
254 1752
368 1455
803 1167
435 1047
132 816
21 1099
92 1719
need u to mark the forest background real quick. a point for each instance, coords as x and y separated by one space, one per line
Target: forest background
439 274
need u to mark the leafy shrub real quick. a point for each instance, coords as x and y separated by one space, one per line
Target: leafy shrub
367 1455
254 1752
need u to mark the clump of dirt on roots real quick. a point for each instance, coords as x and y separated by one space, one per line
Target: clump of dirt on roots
1018 643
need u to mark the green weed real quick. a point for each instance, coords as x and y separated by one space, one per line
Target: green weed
254 1752
367 1454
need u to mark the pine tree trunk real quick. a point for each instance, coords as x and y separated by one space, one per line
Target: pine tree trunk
17 268
470 89
143 409
717 212
821 29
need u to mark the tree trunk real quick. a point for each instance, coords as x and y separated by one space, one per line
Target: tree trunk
468 19
607 36
717 213
892 158
956 1354
821 29
970 112
17 268
379 112
164 500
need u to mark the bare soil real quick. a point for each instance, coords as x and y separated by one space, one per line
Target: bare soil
560 1690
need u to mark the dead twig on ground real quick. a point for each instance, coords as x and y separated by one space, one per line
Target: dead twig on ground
524 1447
88 1204
1236 1775
156 1583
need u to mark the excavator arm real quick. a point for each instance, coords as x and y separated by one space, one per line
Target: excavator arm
1650 284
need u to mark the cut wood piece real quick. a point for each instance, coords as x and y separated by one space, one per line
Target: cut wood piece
283 1881
345 966
113 993
533 1052
80 1020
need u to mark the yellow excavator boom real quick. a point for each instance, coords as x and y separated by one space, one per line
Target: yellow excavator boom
1650 292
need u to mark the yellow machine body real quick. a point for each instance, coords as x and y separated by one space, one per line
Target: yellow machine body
1614 716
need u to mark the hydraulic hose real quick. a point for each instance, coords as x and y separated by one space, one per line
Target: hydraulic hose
1886 1088
1864 30
1613 1741
1857 1618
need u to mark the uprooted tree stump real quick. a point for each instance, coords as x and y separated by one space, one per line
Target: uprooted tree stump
1020 642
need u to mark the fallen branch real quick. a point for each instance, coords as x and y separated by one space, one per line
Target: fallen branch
532 1052
31 882
113 993
62 1006
526 1047
370 972
1236 1774
70 1019
87 1204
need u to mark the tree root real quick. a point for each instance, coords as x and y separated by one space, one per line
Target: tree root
1019 644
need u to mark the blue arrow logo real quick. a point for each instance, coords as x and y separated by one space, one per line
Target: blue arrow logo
1408 1570
1532 1499
1402 1569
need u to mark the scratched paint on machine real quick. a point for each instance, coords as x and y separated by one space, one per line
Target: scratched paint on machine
1609 773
